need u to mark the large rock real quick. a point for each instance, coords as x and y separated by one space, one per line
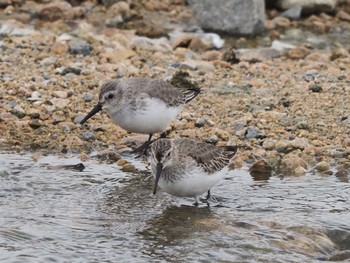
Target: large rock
308 6
239 17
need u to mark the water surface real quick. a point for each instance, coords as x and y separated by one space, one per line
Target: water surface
104 215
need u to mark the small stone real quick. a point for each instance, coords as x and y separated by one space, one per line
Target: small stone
342 15
210 123
222 135
48 61
60 103
118 55
300 171
200 122
261 166
188 65
89 136
303 125
128 168
299 143
322 166
55 11
59 48
79 47
337 153
342 175
293 13
87 97
109 156
70 70
298 53
6 117
60 94
315 88
34 115
143 43
122 162
213 139
78 119
58 117
18 112
35 124
254 133
339 53
269 144
292 165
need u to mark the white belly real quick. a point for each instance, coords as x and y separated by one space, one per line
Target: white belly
154 118
192 184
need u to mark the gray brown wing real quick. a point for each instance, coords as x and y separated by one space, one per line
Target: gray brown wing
172 96
208 156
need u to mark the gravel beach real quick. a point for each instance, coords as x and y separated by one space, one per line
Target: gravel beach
287 106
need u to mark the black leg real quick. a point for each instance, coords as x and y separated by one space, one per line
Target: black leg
208 195
196 203
149 138
143 148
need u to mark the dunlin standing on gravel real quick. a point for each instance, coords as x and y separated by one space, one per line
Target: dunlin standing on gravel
142 105
188 168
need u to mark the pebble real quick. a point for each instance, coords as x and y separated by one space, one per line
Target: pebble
188 65
78 119
158 44
254 133
322 166
292 165
79 47
200 122
109 156
269 144
60 94
88 136
213 139
60 103
293 13
48 61
58 117
315 88
35 124
87 97
299 143
18 111
128 168
121 162
260 166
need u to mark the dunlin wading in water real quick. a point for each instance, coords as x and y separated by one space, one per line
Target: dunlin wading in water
188 168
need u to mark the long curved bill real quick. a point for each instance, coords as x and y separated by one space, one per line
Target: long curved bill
159 170
96 109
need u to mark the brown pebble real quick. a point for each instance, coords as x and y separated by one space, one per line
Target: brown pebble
128 168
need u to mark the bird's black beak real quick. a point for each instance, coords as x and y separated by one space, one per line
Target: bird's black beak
159 170
96 109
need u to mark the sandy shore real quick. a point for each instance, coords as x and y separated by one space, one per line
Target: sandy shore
291 111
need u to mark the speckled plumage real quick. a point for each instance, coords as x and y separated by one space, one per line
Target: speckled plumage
142 105
189 167
131 88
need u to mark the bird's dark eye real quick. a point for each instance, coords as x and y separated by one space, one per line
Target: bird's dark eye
110 96
168 155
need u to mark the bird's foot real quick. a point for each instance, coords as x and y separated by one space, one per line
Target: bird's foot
142 150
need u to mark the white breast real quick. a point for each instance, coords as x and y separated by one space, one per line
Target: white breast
193 183
155 117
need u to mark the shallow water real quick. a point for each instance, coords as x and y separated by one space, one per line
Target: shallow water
105 215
